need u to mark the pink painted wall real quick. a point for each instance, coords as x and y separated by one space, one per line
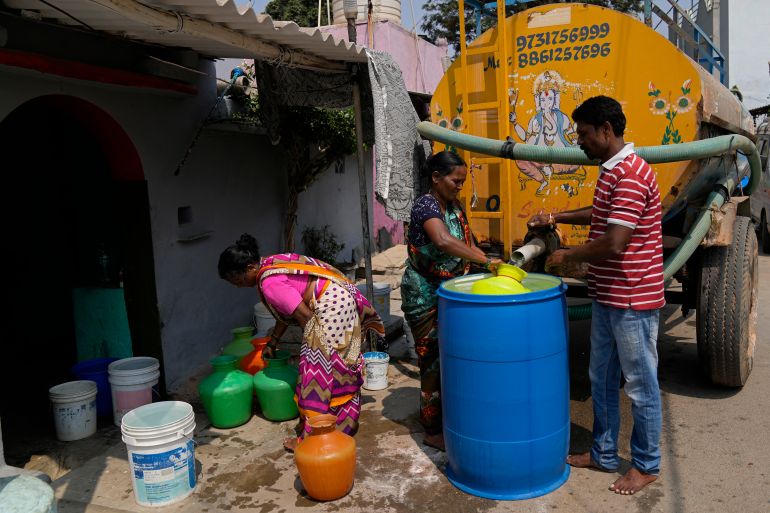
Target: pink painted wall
421 73
421 65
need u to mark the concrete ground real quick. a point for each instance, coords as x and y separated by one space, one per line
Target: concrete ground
716 455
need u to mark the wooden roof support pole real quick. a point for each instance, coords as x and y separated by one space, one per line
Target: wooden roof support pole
180 23
362 189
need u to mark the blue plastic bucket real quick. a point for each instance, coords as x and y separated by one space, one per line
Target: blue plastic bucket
96 370
505 387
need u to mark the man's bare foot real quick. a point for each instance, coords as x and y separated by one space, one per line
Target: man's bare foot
585 461
632 481
291 443
435 441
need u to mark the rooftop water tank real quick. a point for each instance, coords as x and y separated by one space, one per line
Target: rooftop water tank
382 10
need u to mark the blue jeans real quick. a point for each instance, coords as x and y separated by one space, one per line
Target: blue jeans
625 339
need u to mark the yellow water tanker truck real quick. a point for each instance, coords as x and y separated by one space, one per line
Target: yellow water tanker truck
505 106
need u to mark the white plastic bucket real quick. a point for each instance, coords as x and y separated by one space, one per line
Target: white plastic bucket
376 370
263 320
131 382
381 299
74 409
161 452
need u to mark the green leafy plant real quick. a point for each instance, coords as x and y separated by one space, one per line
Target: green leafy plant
311 139
302 12
320 243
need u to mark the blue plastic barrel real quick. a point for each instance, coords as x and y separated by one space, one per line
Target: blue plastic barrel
505 387
96 370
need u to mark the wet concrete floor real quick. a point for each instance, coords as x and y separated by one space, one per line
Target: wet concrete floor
716 455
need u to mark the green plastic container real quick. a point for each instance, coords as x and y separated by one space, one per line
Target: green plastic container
227 393
240 345
275 386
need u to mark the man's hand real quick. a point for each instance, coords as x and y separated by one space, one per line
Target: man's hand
541 221
556 260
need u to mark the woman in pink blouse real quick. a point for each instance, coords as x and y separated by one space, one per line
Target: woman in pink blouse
335 318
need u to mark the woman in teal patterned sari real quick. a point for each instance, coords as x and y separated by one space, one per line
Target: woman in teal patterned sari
440 247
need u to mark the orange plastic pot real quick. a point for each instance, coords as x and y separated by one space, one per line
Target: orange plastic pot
326 459
253 362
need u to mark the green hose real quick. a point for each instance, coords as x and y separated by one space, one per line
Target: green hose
682 253
699 229
579 312
653 154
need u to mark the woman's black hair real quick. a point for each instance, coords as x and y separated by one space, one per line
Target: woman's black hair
443 163
235 259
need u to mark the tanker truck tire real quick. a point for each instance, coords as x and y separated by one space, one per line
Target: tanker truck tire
727 308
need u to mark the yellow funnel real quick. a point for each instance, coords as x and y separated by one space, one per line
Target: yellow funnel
507 281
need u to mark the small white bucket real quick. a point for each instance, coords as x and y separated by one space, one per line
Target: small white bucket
74 409
161 451
263 320
131 382
381 298
376 370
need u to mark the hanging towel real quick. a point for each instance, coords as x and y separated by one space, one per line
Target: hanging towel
400 151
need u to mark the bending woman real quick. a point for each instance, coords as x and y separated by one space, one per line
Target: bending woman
335 317
440 247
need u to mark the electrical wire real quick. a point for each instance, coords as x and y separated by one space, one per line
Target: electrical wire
417 46
52 6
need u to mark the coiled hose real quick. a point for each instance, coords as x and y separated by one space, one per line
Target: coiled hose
653 154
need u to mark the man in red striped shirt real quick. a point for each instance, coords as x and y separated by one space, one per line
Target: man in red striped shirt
625 256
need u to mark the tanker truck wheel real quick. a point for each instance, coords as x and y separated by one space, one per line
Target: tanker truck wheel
727 308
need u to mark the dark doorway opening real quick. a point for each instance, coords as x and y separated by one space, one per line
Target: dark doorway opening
76 216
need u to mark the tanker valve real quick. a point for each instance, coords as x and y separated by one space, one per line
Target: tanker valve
536 243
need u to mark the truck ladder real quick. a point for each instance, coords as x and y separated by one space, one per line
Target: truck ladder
498 51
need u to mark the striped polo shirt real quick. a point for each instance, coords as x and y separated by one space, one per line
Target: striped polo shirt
627 194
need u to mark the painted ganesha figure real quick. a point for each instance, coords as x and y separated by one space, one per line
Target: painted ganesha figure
550 126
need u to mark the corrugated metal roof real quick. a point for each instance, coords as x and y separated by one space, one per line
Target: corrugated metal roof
126 18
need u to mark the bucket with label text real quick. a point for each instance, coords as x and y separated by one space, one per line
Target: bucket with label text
74 409
376 370
161 452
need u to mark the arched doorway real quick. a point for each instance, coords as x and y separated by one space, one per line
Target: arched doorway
75 209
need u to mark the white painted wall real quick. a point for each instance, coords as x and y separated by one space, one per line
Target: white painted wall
234 185
233 182
334 200
749 51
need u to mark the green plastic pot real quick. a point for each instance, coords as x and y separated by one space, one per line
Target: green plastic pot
240 345
226 393
275 386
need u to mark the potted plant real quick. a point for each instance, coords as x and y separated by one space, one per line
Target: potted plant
320 243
